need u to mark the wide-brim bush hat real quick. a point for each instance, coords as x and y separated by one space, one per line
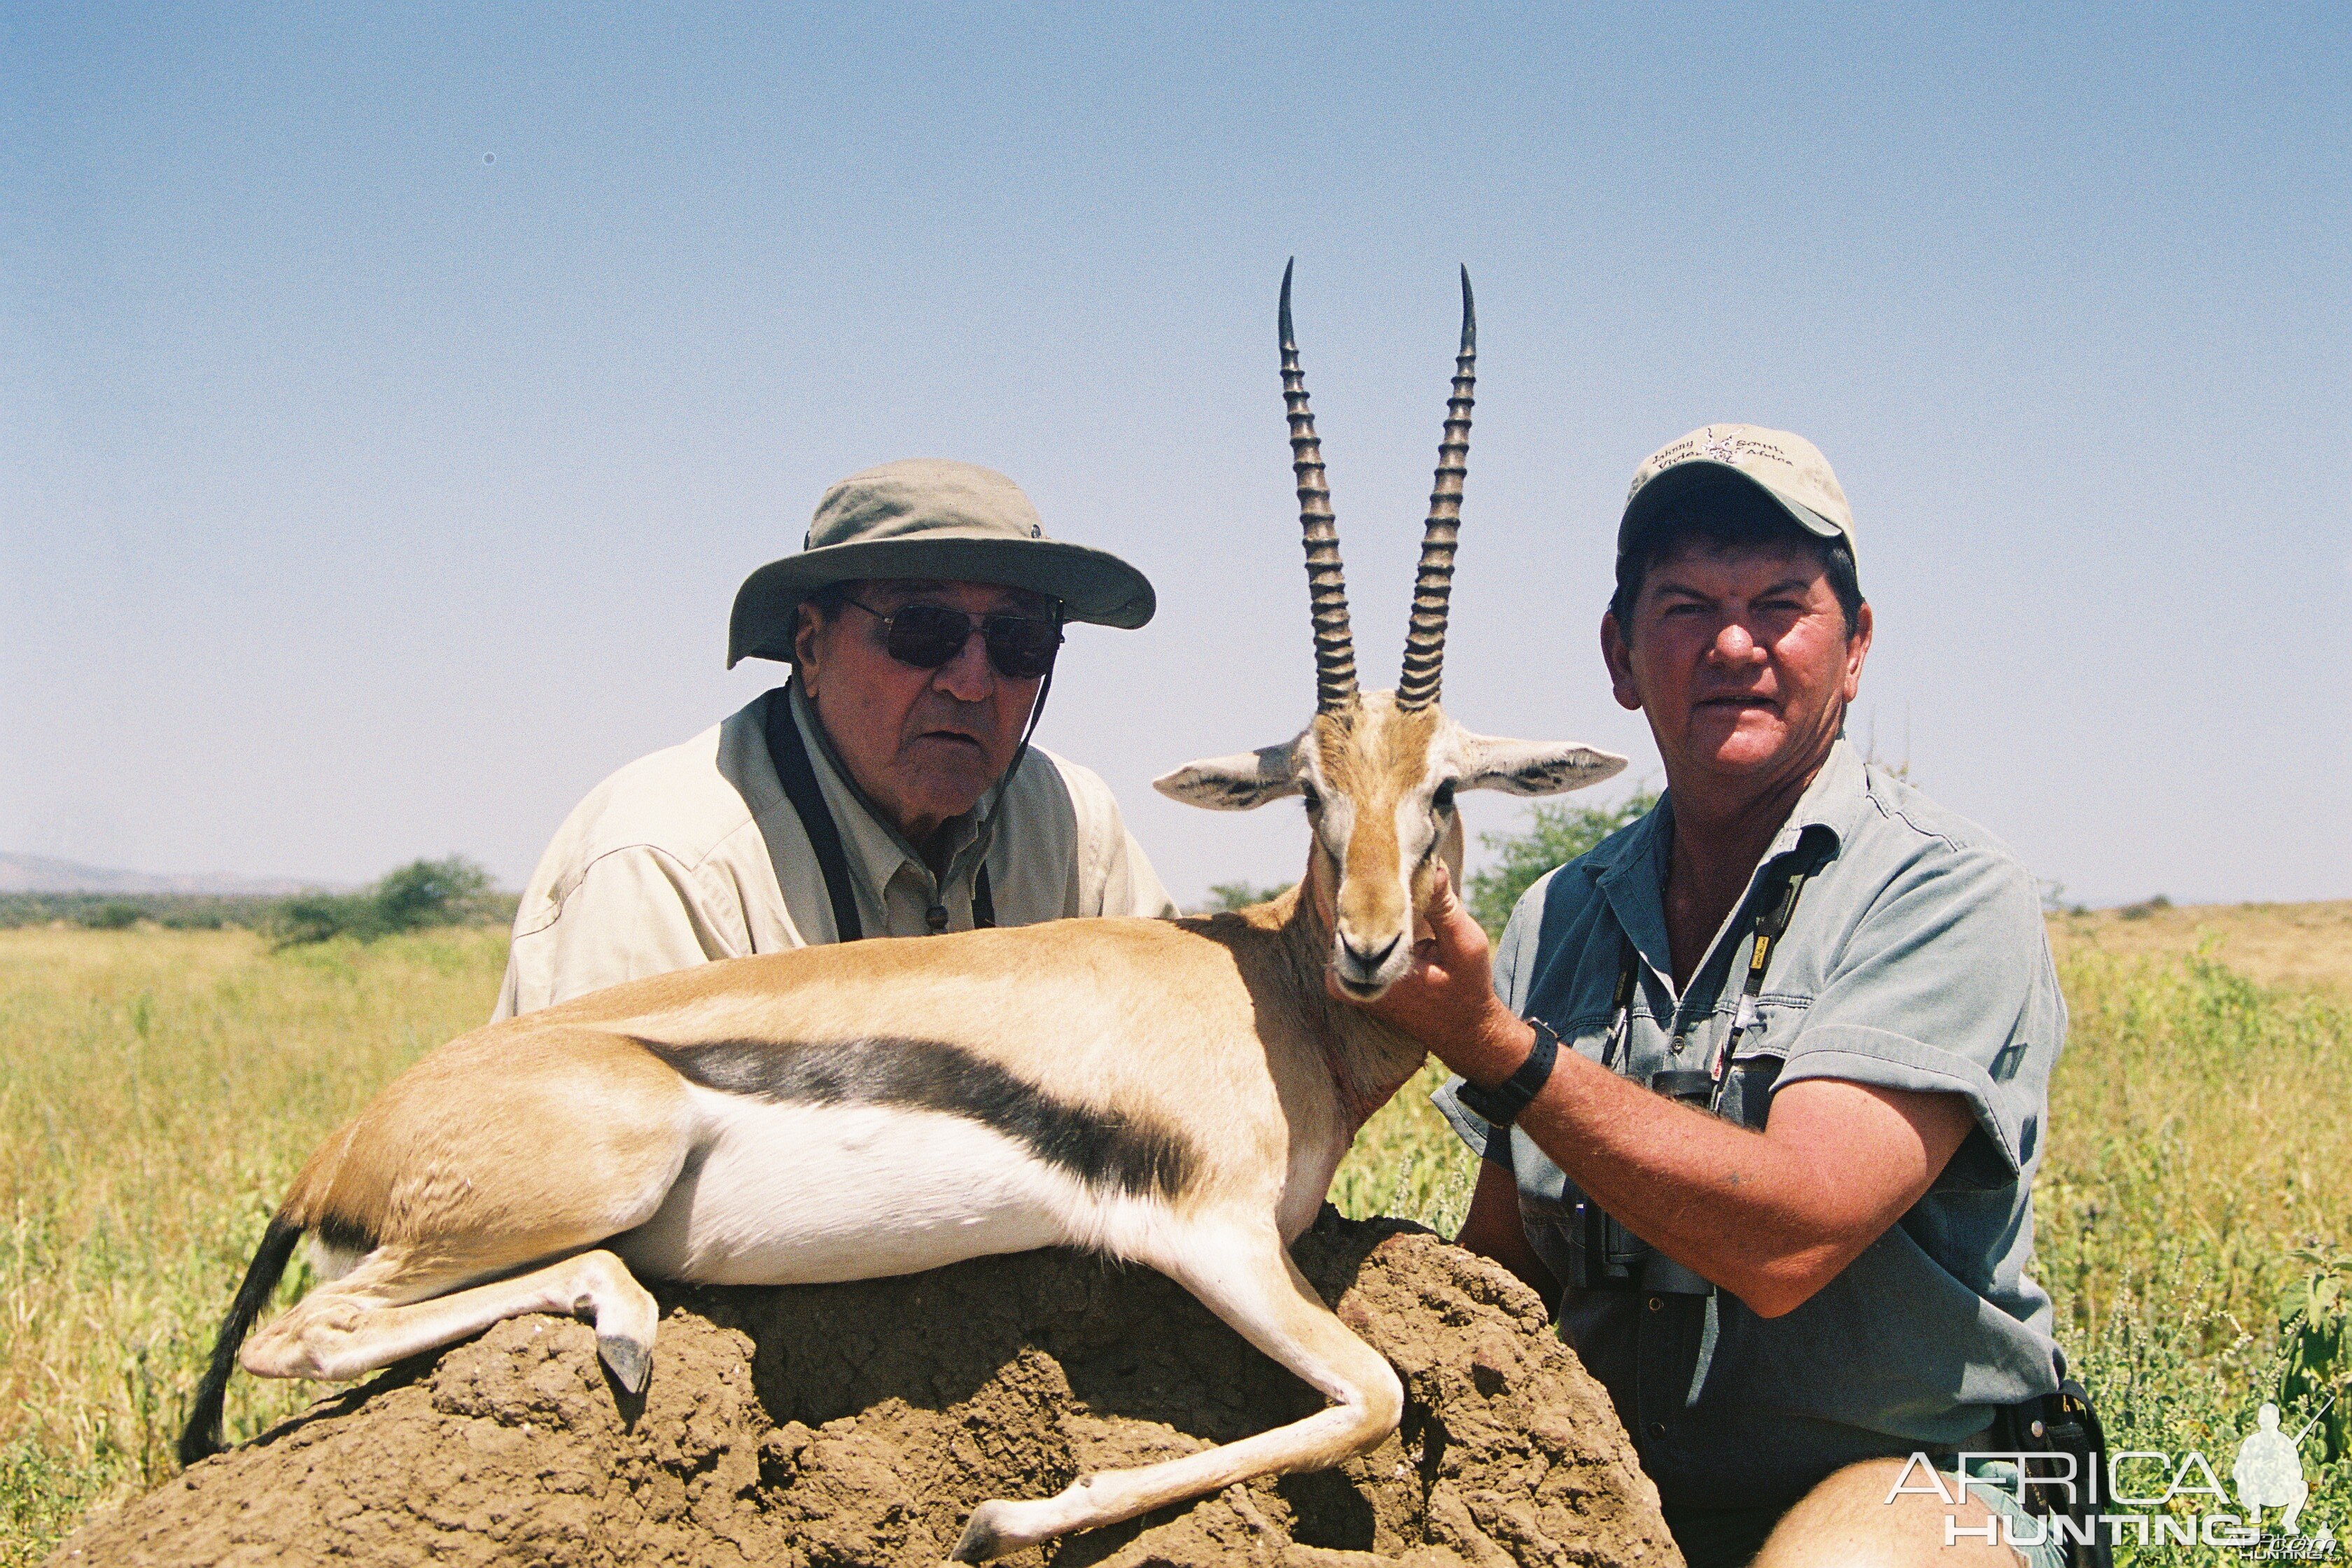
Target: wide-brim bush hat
1788 468
948 521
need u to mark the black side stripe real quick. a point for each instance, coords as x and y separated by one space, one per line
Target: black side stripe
343 1235
1098 1147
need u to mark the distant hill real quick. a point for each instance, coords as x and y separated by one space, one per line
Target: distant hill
40 874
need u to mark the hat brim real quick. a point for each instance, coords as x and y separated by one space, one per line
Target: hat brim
1679 482
1093 585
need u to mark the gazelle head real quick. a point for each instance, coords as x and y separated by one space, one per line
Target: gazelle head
1380 770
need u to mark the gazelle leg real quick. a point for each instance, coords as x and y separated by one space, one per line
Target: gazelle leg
1247 1278
372 1318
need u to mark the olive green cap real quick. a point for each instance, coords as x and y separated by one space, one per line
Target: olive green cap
930 518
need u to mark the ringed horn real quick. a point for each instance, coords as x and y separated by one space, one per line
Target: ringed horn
1326 586
1424 644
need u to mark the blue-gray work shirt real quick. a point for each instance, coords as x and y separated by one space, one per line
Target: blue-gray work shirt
1916 960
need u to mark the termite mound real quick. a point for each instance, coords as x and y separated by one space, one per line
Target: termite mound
859 1424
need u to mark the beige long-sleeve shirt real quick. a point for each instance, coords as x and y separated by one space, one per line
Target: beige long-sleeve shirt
694 853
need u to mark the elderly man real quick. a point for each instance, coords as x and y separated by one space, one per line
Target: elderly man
888 787
1761 1081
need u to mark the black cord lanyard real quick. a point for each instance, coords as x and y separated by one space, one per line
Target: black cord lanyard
799 779
1772 924
1769 928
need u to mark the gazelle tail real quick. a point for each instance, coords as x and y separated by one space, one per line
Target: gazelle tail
202 1438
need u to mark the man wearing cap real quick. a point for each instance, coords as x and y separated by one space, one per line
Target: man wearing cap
888 787
1790 1296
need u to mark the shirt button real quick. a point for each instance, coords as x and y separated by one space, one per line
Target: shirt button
1657 1429
1657 1303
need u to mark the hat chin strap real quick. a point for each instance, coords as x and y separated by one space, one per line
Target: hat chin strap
1036 711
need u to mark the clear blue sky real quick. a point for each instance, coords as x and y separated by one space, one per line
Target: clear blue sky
390 406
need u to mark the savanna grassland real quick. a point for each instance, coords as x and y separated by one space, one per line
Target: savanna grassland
159 1088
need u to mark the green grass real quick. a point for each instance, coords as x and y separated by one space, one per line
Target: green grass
158 1089
2199 1171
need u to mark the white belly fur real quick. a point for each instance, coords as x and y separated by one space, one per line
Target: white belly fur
797 1194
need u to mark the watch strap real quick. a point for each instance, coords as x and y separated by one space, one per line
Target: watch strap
1500 1106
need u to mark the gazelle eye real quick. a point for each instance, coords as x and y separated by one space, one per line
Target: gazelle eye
1442 799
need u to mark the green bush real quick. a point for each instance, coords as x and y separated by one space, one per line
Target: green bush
454 891
2315 1346
1554 836
432 893
319 917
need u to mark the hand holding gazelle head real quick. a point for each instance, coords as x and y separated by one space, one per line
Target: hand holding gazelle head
1380 770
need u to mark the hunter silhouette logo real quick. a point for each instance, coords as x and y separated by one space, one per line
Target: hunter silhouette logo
2269 1471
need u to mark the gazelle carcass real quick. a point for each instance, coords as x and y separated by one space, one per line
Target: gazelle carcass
1177 1093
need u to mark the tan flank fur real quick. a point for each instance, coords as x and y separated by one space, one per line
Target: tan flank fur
1177 1093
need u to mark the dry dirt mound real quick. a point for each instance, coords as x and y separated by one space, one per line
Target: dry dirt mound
859 1424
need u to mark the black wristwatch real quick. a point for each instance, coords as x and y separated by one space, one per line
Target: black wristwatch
1500 1106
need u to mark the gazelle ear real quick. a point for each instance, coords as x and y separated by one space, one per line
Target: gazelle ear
1233 783
1534 767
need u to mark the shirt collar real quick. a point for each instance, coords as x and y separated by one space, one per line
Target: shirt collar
1835 800
1630 866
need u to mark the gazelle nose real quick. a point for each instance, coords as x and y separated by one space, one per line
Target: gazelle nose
1367 959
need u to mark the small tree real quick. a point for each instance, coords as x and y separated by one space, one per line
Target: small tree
320 917
1554 836
454 891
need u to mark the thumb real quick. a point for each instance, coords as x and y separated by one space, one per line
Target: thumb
1455 926
1443 900
1450 921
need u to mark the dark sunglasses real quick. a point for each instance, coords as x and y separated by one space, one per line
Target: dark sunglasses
1022 647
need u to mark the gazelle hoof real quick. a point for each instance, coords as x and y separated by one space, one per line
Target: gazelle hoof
631 1361
981 1540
